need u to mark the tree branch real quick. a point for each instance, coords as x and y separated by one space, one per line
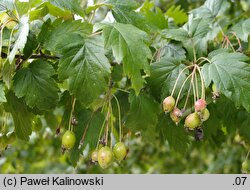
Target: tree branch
35 56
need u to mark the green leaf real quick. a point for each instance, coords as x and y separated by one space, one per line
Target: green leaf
2 93
61 34
231 75
124 12
164 74
210 9
195 29
83 59
90 124
244 121
38 13
173 50
97 6
143 114
155 19
242 29
123 5
176 34
86 66
175 135
178 14
128 46
30 45
71 5
21 38
22 7
214 6
21 116
169 83
35 84
211 126
7 72
6 5
47 7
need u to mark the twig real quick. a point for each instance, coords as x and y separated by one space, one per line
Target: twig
35 56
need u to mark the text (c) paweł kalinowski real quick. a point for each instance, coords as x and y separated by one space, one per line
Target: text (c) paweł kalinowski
61 181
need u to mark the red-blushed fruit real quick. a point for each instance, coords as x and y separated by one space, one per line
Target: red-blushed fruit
192 121
176 115
244 166
94 156
105 157
68 140
120 151
168 104
205 115
200 105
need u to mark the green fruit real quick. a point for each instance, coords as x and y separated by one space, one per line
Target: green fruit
168 104
94 156
120 151
244 166
11 137
176 115
68 140
192 121
205 115
105 157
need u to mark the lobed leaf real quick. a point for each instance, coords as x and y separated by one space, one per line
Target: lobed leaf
143 114
231 75
21 38
128 44
82 61
175 135
36 85
21 116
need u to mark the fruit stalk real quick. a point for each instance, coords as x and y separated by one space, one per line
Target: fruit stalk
119 118
176 82
203 95
71 113
182 86
188 94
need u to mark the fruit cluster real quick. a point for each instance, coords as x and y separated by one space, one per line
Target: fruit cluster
194 119
105 152
104 156
200 113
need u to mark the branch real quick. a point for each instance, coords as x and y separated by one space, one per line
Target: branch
35 56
